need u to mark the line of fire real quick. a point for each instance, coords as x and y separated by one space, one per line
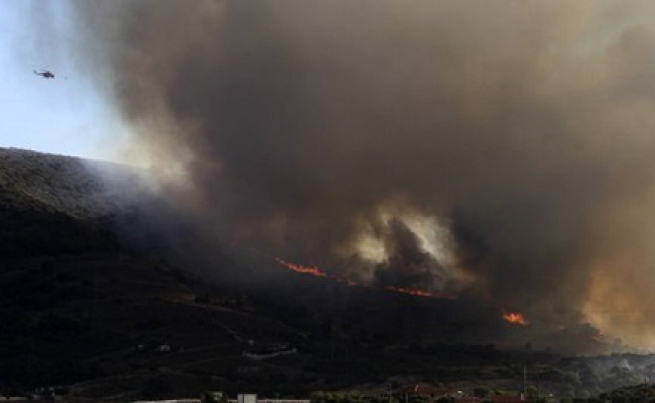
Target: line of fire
515 318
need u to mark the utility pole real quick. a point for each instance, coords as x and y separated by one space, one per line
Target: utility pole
525 382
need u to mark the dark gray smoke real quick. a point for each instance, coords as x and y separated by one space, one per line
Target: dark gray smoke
408 265
309 128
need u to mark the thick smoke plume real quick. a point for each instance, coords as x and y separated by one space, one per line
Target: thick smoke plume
502 150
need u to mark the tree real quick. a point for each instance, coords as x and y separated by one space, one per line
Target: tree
481 392
156 388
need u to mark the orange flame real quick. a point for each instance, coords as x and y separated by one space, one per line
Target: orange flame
409 291
515 318
314 271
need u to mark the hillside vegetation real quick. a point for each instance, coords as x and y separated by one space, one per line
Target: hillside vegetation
94 302
52 205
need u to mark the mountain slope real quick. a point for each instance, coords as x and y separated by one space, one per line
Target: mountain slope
52 204
80 188
94 299
37 215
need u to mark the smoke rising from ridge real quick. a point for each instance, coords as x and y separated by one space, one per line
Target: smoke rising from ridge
316 128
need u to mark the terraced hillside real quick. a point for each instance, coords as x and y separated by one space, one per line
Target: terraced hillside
89 320
94 302
83 306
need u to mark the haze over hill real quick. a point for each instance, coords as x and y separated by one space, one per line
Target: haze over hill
371 174
97 298
500 152
118 206
84 189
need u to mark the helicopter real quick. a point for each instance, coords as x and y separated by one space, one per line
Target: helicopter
44 73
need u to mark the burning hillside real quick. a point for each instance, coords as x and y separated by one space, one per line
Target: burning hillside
315 271
499 151
515 318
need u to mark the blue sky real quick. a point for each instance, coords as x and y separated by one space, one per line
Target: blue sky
68 115
62 116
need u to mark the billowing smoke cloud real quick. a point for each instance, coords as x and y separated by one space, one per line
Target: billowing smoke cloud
408 265
319 130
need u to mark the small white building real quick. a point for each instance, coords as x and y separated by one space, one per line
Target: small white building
246 398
